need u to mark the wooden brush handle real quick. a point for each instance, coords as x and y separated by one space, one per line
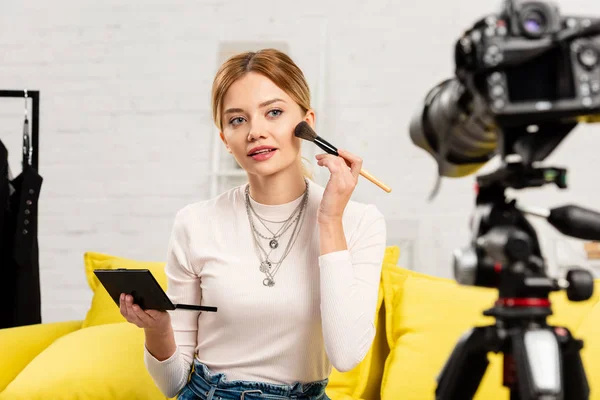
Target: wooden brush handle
375 180
370 177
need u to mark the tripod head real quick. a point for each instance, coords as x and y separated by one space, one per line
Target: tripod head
504 252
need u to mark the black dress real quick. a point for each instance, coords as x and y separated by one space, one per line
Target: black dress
20 297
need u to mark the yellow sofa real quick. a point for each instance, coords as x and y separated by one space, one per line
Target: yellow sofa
419 320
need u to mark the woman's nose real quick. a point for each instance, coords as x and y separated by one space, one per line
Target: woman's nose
256 132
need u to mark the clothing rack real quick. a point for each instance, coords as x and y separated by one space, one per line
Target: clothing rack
20 292
34 119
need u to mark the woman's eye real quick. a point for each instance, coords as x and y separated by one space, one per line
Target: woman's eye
236 121
275 113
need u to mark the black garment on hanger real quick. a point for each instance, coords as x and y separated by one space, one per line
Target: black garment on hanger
20 297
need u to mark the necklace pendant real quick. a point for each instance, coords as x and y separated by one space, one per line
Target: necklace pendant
265 266
273 243
268 282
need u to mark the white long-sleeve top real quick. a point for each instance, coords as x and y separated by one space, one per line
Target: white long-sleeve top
319 313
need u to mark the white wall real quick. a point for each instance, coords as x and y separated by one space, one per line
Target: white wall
126 132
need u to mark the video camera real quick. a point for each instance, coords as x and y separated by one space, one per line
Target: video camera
525 77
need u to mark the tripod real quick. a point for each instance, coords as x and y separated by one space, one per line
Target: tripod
541 362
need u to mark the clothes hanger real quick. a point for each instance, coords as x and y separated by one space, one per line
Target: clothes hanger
27 149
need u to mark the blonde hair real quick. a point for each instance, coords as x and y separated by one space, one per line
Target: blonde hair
271 63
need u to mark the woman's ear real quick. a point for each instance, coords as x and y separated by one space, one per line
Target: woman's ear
309 117
225 141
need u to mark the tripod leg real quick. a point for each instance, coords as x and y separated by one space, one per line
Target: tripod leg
574 379
548 365
464 369
538 365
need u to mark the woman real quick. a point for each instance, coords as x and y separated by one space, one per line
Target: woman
292 267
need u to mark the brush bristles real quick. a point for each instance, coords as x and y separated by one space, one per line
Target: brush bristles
304 131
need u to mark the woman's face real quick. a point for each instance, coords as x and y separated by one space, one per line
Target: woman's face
258 125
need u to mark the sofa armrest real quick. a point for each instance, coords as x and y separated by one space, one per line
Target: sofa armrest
335 395
20 345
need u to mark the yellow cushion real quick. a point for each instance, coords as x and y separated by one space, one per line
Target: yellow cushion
379 354
103 309
425 316
354 383
392 281
589 332
22 344
392 255
571 314
100 362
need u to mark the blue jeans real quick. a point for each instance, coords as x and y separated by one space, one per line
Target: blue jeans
206 385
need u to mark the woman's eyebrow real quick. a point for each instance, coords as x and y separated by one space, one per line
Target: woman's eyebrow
263 104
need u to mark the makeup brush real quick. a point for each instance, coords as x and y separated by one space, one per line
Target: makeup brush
304 131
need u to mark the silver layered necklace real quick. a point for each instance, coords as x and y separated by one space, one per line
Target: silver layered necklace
268 266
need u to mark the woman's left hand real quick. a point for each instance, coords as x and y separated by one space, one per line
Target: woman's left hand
344 170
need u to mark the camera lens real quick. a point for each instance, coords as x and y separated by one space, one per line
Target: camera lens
534 22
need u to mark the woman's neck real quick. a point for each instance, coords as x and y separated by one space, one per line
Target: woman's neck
277 189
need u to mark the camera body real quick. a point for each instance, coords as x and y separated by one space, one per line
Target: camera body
523 67
523 64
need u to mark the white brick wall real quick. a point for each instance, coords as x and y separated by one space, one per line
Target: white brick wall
126 133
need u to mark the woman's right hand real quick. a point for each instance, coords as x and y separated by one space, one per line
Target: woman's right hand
150 320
